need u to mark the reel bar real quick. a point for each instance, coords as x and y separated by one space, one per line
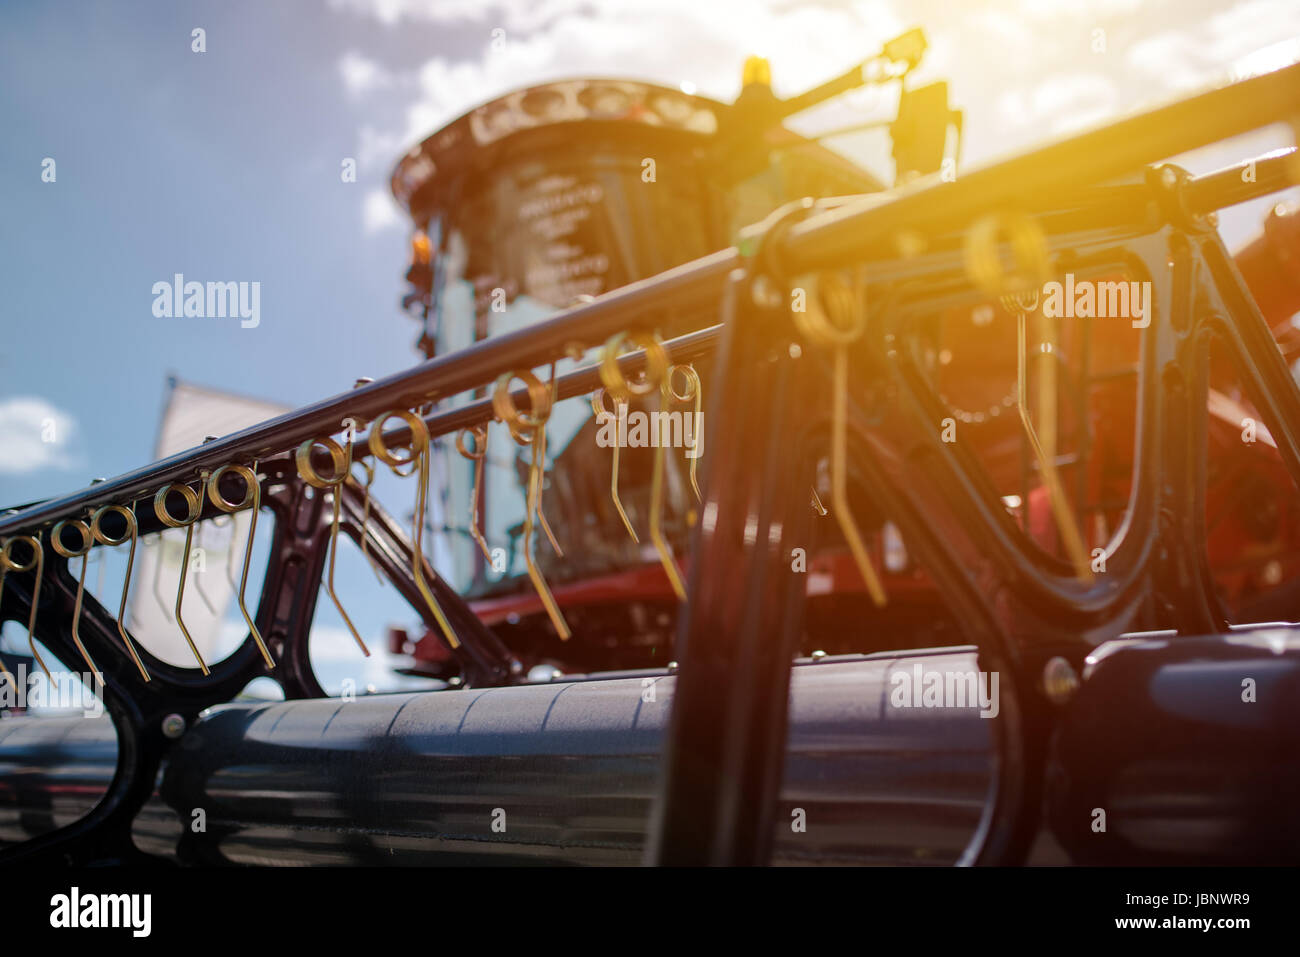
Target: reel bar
1032 178
1225 187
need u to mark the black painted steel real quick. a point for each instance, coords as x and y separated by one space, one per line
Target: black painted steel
572 765
1182 751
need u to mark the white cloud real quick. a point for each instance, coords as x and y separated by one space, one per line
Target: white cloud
362 75
509 14
34 435
665 41
1066 102
1195 54
1023 71
379 212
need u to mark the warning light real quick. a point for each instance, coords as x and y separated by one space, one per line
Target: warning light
757 70
421 251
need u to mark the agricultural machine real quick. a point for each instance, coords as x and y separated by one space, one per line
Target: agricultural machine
1026 434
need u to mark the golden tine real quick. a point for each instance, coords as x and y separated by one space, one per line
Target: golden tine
252 500
4 669
656 377
693 391
598 408
541 440
1071 537
230 553
1030 254
132 529
541 513
198 582
81 551
36 561
365 520
418 459
160 541
843 322
341 459
193 508
529 428
1018 289
525 432
479 434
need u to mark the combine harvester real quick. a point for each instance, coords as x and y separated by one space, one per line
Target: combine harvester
950 523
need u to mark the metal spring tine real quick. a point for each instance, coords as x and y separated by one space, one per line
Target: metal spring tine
424 567
599 410
1071 537
528 428
418 459
37 561
230 551
342 462
252 500
198 582
533 507
82 552
352 423
817 505
539 451
693 391
365 523
194 506
477 456
849 322
96 530
656 377
4 669
161 542
1018 288
541 440
97 558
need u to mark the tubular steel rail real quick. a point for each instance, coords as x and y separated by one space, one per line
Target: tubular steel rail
1083 196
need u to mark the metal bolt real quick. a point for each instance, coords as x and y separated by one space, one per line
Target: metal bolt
1169 177
364 380
818 655
672 667
1060 681
173 726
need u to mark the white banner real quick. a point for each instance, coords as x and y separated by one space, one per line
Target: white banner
217 550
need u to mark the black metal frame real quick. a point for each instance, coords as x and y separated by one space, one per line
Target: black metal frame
1018 605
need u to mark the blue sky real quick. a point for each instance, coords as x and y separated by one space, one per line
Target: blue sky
225 165
222 166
